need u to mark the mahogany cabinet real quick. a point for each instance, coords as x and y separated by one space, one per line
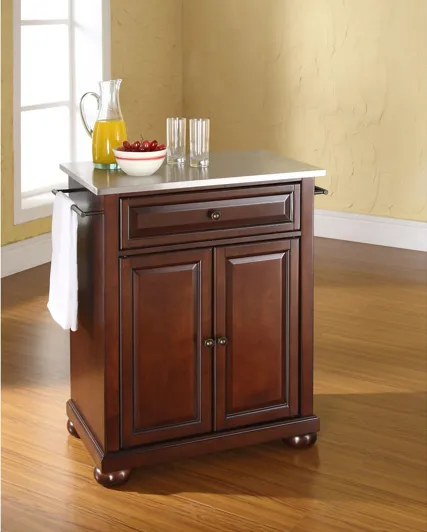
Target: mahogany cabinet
195 325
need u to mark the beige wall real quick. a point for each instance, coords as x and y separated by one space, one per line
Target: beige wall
145 51
338 83
146 48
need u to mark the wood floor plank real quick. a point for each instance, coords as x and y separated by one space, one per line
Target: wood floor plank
366 473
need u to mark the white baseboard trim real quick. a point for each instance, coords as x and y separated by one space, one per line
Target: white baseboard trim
26 254
378 230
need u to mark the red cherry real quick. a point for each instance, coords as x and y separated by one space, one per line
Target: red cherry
161 147
146 145
136 145
126 144
153 145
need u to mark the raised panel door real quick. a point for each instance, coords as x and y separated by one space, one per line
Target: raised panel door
166 302
257 329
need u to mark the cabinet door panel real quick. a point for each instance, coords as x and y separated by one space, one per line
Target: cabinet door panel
257 311
166 370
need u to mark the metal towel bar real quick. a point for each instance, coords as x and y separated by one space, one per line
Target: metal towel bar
74 208
320 190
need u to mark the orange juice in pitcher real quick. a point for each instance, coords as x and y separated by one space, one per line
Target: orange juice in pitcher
110 129
107 134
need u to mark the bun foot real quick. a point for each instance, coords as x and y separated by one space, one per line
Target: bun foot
109 480
72 429
302 442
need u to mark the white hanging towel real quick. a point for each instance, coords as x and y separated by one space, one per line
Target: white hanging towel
63 287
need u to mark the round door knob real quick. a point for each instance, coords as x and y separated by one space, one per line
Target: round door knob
209 343
222 341
216 215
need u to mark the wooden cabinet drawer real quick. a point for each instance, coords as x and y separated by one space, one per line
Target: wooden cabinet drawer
189 217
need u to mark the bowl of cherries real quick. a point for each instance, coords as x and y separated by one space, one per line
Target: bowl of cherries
141 158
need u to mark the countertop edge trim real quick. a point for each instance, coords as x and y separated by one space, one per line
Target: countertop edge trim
185 185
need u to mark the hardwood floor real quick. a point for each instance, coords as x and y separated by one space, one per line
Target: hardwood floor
367 471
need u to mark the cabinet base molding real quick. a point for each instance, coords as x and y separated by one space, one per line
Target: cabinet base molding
292 430
82 429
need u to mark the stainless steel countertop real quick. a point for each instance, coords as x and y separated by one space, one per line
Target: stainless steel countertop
226 168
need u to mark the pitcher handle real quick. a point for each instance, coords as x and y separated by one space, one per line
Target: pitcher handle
82 113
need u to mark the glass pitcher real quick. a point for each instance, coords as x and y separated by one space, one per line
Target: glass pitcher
109 130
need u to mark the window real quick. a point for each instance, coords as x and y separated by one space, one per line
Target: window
61 51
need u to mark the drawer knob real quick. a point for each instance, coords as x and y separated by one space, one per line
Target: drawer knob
222 341
216 215
209 343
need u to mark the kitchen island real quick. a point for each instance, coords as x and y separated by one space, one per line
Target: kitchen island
195 321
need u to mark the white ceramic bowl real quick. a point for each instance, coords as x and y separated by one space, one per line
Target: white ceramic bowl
139 164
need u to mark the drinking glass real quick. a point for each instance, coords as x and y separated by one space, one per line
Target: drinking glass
176 133
199 142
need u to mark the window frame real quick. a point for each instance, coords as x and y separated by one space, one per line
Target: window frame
28 207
